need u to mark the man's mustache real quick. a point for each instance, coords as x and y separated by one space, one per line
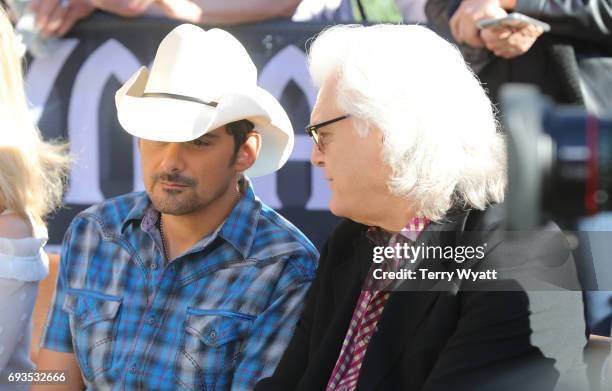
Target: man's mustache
175 178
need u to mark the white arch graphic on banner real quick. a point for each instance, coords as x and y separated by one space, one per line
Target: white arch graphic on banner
288 65
42 74
110 59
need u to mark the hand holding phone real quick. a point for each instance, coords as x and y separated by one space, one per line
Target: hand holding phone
462 23
514 20
510 39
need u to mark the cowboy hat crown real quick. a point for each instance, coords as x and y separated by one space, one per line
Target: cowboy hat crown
199 81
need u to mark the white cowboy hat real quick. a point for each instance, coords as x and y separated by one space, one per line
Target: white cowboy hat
199 81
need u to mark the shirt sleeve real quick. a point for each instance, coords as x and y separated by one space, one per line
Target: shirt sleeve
271 332
56 334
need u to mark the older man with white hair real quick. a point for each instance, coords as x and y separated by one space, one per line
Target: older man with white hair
410 146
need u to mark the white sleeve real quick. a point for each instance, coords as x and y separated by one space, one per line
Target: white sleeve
17 300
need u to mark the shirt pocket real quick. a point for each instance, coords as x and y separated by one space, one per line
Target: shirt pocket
94 327
209 347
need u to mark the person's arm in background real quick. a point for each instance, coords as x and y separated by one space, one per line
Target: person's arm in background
212 12
57 17
467 13
226 12
502 41
438 13
509 42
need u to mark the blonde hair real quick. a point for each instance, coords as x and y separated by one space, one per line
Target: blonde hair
441 138
32 172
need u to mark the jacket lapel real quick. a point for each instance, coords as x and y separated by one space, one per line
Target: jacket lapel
407 306
399 322
353 269
344 287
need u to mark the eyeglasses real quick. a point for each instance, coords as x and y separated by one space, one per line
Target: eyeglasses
312 130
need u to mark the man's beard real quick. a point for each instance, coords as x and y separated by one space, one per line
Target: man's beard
175 202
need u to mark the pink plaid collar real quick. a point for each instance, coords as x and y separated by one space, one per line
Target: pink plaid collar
411 231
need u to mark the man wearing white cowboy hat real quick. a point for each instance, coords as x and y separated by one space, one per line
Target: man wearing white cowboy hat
195 284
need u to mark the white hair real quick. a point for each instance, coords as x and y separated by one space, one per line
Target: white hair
441 138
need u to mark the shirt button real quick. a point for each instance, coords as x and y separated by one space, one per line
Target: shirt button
213 335
153 266
150 320
132 370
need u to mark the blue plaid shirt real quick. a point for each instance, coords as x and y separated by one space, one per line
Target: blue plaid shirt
218 317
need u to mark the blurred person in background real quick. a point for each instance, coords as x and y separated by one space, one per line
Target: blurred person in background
32 173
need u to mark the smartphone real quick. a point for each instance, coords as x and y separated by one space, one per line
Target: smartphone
515 19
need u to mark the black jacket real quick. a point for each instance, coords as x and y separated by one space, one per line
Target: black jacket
443 339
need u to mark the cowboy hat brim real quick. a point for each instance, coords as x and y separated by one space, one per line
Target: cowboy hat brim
176 120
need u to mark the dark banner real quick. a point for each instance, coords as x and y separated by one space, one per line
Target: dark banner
73 89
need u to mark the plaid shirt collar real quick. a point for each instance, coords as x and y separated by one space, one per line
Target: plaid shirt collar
381 237
238 229
410 232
